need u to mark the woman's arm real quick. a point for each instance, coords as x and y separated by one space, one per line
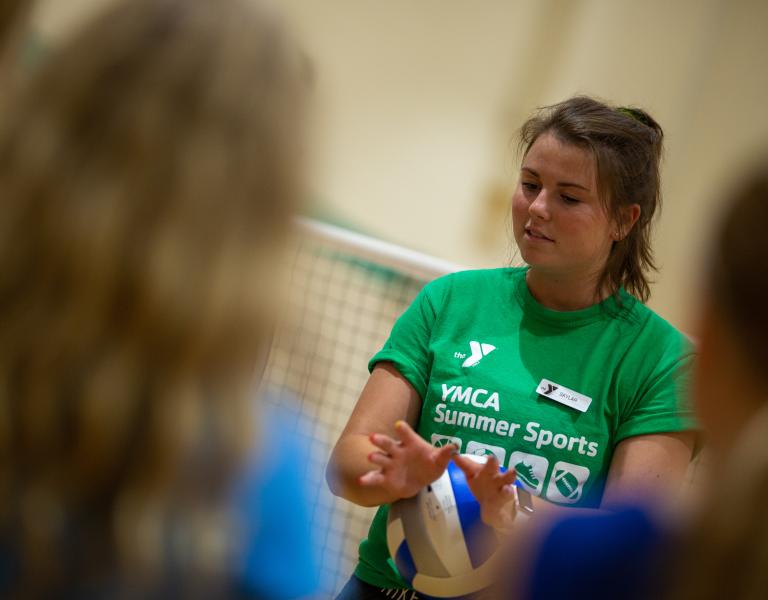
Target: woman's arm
378 457
650 467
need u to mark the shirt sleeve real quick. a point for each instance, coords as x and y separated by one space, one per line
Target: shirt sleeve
663 401
408 344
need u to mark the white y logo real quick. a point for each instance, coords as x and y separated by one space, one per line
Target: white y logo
478 351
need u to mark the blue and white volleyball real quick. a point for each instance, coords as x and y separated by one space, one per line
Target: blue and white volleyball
438 541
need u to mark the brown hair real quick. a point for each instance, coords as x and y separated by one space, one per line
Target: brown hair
627 145
148 172
739 267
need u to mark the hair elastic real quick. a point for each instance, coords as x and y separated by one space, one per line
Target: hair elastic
635 114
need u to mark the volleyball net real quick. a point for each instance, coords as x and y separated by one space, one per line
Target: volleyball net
345 290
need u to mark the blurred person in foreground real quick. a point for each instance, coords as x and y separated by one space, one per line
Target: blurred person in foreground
727 551
148 172
720 549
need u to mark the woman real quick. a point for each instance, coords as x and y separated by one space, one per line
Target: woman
148 171
556 371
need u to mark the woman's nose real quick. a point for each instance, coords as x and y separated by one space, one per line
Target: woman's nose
539 208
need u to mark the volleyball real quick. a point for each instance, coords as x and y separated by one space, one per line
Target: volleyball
438 541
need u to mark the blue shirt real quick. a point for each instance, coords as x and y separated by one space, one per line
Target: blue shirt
605 555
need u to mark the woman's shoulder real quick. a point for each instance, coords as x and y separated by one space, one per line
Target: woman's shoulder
658 329
471 278
463 289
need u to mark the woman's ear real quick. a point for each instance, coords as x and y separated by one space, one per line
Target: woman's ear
629 216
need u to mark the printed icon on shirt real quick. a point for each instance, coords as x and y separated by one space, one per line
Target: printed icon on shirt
531 470
567 482
443 440
478 449
478 351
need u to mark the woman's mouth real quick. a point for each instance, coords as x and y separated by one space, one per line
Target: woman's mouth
536 235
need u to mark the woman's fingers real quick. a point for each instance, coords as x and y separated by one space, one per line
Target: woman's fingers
470 468
406 434
488 483
488 471
444 455
508 477
467 469
380 458
407 462
508 489
386 443
492 488
372 478
410 458
491 466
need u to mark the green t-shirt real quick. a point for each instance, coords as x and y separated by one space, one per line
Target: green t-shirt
498 373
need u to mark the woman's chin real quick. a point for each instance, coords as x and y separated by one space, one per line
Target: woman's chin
536 258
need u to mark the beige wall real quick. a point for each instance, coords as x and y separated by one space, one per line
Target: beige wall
418 101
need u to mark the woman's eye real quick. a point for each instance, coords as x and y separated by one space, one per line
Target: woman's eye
570 200
531 187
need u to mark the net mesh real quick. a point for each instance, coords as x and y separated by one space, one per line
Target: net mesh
339 310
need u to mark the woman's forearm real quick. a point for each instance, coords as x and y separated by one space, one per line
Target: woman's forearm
348 462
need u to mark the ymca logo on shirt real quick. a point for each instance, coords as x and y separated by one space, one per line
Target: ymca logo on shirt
478 352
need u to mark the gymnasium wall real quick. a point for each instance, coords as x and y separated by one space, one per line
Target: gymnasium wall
418 100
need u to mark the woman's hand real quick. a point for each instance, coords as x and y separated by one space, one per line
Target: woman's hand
493 489
406 464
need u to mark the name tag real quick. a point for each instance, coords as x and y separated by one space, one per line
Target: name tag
558 393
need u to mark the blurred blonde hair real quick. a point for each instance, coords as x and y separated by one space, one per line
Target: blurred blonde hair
147 173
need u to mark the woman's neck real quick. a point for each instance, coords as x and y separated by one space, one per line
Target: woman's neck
564 292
